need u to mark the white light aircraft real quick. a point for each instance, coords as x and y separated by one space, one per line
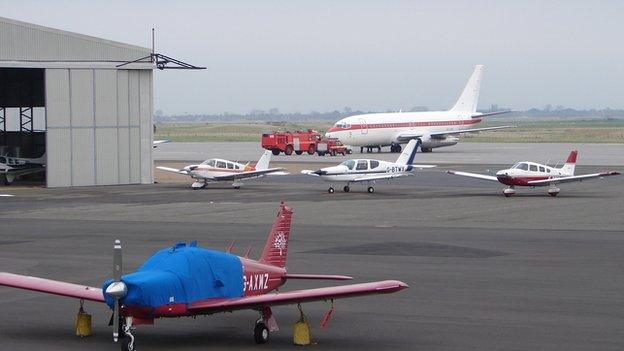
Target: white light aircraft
220 170
534 174
14 167
434 128
369 171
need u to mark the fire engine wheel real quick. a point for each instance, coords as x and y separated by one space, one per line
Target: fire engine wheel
311 150
371 189
346 189
261 333
275 152
289 150
299 152
331 190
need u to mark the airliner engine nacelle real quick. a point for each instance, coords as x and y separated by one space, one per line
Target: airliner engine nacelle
428 143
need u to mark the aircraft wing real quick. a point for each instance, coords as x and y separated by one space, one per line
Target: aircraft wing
408 137
172 170
381 176
250 174
474 175
155 143
297 296
578 178
309 172
16 172
51 286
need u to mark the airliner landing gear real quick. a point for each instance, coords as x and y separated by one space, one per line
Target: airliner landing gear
346 188
395 148
554 191
509 192
426 149
361 149
331 190
261 332
237 185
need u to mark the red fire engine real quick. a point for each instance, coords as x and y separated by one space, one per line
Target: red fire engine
287 142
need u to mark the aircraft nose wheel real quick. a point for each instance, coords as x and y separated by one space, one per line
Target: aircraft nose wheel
261 333
346 188
330 190
371 190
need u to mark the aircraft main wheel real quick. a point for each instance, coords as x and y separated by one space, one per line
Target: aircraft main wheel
261 333
127 344
426 149
275 152
371 189
236 187
346 188
330 190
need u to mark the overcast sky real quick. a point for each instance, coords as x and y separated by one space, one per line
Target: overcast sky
369 55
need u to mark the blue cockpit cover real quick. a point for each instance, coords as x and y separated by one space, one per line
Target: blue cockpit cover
182 274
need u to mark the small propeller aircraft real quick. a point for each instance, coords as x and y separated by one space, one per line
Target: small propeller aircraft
187 281
369 171
216 170
13 167
534 174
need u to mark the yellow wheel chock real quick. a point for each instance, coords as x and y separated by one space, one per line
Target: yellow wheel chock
301 330
83 322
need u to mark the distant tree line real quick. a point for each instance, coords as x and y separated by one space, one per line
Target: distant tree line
274 114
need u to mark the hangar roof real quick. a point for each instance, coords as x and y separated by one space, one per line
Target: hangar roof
22 42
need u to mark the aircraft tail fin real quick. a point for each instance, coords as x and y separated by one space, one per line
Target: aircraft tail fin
407 156
276 248
570 163
263 162
469 98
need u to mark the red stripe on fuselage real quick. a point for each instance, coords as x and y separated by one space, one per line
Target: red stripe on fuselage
406 125
520 181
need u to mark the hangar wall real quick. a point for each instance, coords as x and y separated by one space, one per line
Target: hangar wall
99 126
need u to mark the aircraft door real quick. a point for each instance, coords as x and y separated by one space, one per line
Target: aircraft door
364 126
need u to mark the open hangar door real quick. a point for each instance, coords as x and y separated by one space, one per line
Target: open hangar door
22 124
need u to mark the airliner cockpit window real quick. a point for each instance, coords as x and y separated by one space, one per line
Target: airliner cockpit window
342 125
349 164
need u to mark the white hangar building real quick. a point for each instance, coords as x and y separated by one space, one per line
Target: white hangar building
64 94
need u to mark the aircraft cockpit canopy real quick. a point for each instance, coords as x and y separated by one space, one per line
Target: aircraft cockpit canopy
349 164
210 163
521 165
220 164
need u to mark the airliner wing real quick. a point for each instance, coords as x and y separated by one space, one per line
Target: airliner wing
579 178
51 286
474 175
406 137
172 170
297 296
250 174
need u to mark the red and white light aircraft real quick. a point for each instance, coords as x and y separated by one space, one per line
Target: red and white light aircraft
434 128
534 174
187 281
220 170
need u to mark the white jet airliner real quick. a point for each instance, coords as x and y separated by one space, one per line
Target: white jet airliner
220 170
369 171
434 128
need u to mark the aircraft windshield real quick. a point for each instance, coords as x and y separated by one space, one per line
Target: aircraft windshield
522 166
210 163
349 164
